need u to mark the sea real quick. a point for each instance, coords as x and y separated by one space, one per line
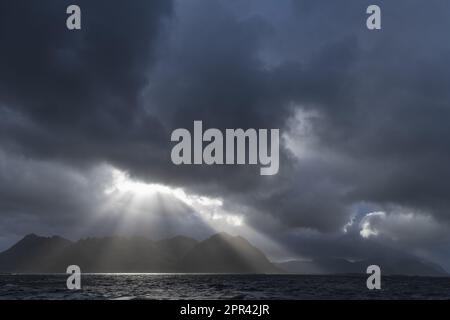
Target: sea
219 286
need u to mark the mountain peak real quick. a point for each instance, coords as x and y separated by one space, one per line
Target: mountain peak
31 236
221 235
226 236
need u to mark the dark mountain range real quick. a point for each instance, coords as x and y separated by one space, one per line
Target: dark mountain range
402 265
34 254
219 253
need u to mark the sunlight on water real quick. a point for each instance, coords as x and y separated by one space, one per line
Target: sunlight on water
204 286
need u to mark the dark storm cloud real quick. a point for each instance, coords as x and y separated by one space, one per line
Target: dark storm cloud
381 97
114 91
78 91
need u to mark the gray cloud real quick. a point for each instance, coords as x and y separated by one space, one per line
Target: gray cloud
113 92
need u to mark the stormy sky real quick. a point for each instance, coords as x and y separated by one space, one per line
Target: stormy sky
364 118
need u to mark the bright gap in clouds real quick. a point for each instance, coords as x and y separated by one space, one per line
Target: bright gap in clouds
136 196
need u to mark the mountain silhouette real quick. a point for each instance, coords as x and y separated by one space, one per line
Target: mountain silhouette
220 253
400 265
34 254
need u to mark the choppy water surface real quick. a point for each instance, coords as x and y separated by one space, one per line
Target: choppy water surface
182 286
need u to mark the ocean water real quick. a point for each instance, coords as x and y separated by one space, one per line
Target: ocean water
207 286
